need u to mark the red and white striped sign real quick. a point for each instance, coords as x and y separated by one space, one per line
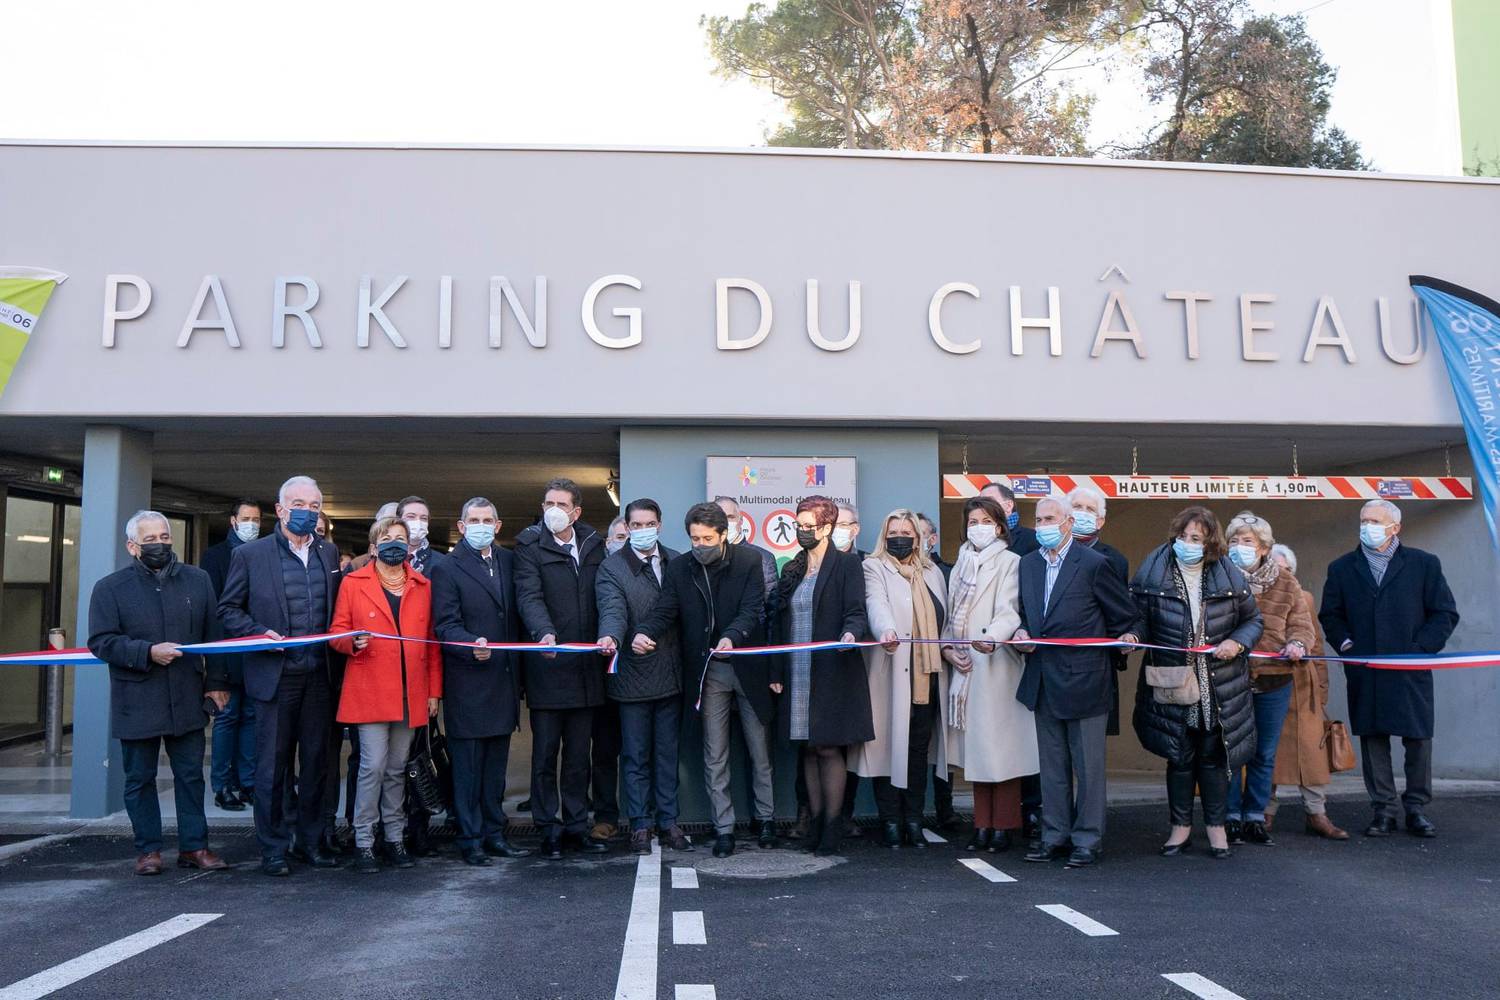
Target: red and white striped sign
1127 487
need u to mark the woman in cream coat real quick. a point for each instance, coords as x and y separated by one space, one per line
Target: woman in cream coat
908 685
990 734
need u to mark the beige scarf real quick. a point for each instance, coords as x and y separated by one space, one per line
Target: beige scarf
926 660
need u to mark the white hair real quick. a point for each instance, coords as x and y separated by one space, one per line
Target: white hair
1089 491
294 482
1058 498
133 526
1286 553
1386 506
387 510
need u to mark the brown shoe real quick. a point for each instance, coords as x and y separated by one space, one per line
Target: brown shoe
1319 825
203 860
148 864
604 832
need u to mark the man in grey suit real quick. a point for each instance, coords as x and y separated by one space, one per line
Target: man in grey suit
1069 592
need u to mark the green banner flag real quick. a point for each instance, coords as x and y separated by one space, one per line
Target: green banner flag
24 292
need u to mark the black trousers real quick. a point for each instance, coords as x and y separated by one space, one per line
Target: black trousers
604 772
479 788
907 804
566 732
1380 778
299 716
333 787
1208 769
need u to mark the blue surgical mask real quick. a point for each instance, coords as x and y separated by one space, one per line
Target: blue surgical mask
1049 536
1373 535
1188 553
643 539
302 521
479 536
1013 520
1243 556
1085 524
247 531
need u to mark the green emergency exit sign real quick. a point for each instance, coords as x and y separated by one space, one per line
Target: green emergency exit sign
52 474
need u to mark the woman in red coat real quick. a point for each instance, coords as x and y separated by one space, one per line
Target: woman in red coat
390 688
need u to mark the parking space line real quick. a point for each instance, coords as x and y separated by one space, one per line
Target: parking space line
1076 920
933 838
1198 986
685 992
684 878
637 979
687 927
51 980
985 870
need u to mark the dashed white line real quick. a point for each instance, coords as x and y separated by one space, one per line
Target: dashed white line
985 870
933 838
1198 986
684 878
1074 919
51 980
637 979
695 992
687 927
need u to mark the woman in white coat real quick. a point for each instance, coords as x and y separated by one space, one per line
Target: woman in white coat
904 595
990 734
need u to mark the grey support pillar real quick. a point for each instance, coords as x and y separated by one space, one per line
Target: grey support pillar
116 484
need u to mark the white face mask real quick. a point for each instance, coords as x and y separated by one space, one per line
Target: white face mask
556 519
247 530
841 538
982 535
416 529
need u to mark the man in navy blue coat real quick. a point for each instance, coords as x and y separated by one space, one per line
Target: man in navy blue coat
286 585
1385 597
233 773
1069 591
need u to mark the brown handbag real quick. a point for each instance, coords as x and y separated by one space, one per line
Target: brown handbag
1336 742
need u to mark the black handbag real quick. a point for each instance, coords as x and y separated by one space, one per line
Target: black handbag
429 771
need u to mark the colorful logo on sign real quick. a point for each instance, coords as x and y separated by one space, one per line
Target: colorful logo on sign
1388 488
749 476
817 475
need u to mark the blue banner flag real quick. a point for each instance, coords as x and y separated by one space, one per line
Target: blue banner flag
1467 326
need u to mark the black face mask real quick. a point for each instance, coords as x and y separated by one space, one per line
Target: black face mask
708 554
900 547
156 556
807 537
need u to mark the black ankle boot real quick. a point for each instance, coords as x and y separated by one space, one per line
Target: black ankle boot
814 834
914 836
890 834
833 835
980 841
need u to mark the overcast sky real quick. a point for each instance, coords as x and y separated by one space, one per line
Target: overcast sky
583 71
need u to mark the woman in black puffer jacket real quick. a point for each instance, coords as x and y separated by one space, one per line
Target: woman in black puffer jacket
1190 595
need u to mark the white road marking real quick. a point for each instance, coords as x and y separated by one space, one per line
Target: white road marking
1199 986
85 965
687 927
1073 918
685 992
985 870
933 838
637 979
684 878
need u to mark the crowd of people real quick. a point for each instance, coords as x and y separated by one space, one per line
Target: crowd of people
965 668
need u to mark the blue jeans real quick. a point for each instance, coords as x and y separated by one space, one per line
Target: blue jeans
185 754
648 758
234 744
1250 790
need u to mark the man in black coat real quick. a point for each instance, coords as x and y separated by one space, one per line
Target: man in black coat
474 600
713 601
1022 539
138 616
233 770
1385 597
418 517
1069 591
1089 511
647 689
556 563
285 585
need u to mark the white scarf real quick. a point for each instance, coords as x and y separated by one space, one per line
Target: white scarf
965 586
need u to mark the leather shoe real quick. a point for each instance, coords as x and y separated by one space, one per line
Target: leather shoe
476 857
316 858
1044 852
890 834
724 845
274 866
604 831
148 863
1173 850
397 854
1420 826
551 848
1084 857
999 842
365 862
1219 853
1234 830
673 839
584 845
980 841
767 838
1381 826
1319 825
229 802
499 847
1255 832
640 842
912 835
202 859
